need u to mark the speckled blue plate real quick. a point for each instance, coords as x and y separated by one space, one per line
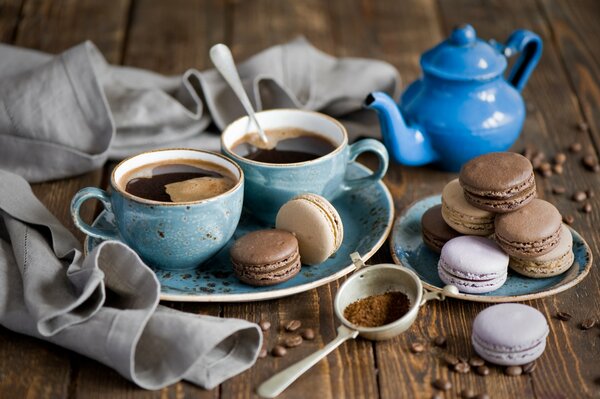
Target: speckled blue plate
367 216
408 250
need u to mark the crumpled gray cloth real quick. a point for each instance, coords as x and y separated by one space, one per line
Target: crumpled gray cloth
106 305
71 112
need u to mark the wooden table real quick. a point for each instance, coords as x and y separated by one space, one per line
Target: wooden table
170 36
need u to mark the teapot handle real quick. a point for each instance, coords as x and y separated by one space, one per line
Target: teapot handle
530 46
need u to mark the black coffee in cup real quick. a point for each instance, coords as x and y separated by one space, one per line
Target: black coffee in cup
293 145
180 180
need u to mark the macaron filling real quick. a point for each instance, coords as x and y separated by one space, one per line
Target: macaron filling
505 355
499 194
529 249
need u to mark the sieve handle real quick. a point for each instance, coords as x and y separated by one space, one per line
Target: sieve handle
280 381
449 290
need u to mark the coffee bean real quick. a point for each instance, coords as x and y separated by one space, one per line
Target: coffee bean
442 384
279 351
437 395
482 396
308 334
547 173
467 393
262 353
589 193
563 316
483 370
559 190
528 152
513 371
537 160
529 367
575 147
583 126
568 219
265 325
462 368
292 325
476 361
560 158
587 324
587 208
450 360
440 341
558 169
417 347
579 196
544 166
293 341
463 359
589 161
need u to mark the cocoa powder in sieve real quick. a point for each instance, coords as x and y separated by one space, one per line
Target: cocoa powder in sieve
377 310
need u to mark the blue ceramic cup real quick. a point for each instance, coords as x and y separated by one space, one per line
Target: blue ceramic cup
167 235
270 185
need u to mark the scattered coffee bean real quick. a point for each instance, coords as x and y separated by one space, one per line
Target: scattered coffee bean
483 370
528 152
583 126
587 324
437 395
563 316
544 166
278 351
450 360
265 325
263 353
440 341
308 334
579 196
560 158
529 367
568 219
462 368
547 173
513 370
482 396
293 341
537 160
292 325
558 169
559 190
589 161
442 384
587 208
463 359
575 147
476 361
417 347
589 193
467 393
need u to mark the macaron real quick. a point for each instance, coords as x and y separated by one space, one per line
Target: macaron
473 264
510 334
315 223
265 257
461 215
555 262
529 232
498 181
434 230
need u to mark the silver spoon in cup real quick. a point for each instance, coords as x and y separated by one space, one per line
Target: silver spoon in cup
368 281
221 57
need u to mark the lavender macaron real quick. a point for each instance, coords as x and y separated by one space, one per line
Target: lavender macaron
510 334
475 265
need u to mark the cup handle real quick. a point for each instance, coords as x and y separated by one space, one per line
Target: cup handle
363 146
78 199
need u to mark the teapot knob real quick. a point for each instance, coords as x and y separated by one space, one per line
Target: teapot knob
463 35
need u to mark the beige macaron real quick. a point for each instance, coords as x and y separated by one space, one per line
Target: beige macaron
316 224
461 215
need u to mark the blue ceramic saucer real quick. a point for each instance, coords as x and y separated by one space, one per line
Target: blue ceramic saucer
408 250
367 215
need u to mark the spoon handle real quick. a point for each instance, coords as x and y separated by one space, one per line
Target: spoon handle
280 381
223 61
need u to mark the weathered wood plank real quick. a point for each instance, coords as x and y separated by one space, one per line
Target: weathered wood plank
10 12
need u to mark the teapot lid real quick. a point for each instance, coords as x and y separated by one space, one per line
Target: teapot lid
463 57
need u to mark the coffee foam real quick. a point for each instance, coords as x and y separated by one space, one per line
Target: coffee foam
198 189
274 136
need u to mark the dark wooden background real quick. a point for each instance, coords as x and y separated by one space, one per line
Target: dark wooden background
170 36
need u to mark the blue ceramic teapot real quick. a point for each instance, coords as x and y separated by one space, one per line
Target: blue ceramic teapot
462 106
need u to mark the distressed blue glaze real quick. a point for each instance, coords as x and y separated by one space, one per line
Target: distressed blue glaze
366 214
462 106
408 249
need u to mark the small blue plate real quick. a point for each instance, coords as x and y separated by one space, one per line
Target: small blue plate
367 216
408 250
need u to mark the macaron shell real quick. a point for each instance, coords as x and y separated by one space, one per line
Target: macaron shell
332 214
313 226
463 217
509 358
268 275
471 286
435 230
504 205
496 175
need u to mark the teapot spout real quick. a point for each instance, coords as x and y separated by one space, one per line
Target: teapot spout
407 145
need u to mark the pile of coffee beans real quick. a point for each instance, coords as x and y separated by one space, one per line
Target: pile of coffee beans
292 337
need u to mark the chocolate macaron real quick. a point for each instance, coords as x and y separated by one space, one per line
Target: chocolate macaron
434 230
498 182
461 215
265 257
531 231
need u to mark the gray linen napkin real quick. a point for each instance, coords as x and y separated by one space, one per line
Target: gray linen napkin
106 305
72 112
